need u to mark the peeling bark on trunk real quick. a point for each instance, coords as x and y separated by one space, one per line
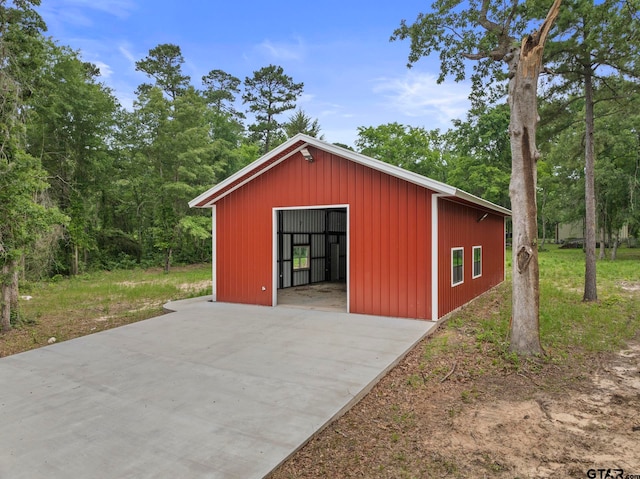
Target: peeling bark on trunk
525 67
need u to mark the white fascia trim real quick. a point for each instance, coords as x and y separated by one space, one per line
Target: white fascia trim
274 258
480 202
434 256
434 185
214 258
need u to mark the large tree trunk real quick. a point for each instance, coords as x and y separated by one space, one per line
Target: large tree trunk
167 259
523 101
614 248
14 291
8 293
74 261
590 289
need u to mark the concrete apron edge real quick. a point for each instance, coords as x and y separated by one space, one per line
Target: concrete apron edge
363 392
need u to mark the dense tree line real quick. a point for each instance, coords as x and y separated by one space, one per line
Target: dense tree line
87 184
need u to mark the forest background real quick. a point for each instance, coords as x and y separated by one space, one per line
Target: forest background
86 184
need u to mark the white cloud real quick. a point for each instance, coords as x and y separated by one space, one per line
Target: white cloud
125 50
419 95
305 99
105 70
78 12
283 51
119 8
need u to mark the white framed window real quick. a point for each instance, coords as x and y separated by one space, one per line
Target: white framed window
477 261
301 257
457 266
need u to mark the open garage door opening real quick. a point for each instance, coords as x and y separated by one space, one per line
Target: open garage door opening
312 258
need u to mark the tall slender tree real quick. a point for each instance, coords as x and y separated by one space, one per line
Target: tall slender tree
269 93
164 65
486 31
594 40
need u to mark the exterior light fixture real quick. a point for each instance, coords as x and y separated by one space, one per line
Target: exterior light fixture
307 155
483 217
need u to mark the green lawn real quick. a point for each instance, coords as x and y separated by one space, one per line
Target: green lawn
569 327
70 307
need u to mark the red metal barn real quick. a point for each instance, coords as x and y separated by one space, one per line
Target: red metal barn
309 211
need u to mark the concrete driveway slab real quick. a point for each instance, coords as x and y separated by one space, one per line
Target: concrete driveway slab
212 390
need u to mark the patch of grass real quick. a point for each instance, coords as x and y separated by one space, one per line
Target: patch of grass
435 347
567 322
66 308
569 327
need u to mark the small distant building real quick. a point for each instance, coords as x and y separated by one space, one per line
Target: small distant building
309 211
576 231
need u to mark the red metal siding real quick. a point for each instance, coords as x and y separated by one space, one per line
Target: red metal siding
459 227
389 233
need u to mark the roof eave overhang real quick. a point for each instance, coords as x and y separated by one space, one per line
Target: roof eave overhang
300 141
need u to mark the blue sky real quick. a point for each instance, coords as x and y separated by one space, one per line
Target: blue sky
340 50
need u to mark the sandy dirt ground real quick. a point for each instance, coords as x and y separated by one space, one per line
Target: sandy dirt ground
468 416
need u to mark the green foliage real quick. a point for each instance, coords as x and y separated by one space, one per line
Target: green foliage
299 122
479 161
453 30
411 148
24 216
270 92
164 65
617 148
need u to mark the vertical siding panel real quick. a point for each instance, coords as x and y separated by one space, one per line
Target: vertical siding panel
376 240
401 264
392 289
412 257
327 180
344 185
362 239
367 198
386 246
424 253
354 233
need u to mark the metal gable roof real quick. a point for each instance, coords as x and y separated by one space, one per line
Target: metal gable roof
300 141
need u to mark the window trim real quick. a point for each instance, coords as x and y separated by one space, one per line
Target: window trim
453 252
473 257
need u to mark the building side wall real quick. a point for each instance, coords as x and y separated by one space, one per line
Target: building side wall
459 228
389 233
